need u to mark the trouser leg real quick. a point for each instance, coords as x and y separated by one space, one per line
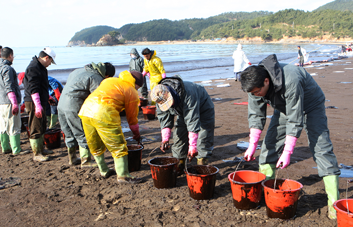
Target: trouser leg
144 90
180 145
206 135
273 144
37 126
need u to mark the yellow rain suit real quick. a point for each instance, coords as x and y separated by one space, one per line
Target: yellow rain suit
100 114
155 67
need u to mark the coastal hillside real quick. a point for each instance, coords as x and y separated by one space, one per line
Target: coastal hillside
90 35
341 5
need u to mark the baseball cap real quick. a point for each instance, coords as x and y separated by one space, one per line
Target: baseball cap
162 96
51 53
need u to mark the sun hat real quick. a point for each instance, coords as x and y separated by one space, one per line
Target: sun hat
162 96
51 53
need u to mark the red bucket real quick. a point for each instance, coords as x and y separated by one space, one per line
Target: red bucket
164 171
246 188
52 138
201 181
149 112
282 201
343 217
134 157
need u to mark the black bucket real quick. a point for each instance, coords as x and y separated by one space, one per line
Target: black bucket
164 171
134 156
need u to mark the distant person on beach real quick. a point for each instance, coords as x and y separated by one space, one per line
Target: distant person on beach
36 98
0 50
301 56
79 85
100 114
241 62
137 64
194 128
344 50
153 67
10 123
299 103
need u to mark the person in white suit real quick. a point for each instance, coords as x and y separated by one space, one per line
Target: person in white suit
241 62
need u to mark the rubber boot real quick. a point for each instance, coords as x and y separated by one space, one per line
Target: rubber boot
53 120
202 161
5 143
73 159
15 142
45 151
86 158
269 170
103 168
37 148
181 167
331 188
122 171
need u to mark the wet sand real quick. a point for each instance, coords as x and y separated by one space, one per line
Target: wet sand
56 194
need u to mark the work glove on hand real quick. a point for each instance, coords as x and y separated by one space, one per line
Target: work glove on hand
52 101
144 73
39 108
284 160
249 63
192 145
164 75
57 94
13 101
253 141
165 139
135 130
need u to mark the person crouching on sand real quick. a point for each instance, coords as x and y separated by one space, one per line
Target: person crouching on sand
194 127
298 102
100 114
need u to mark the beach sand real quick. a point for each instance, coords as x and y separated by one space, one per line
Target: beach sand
56 194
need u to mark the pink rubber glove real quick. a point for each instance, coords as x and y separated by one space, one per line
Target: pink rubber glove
163 75
36 101
253 141
249 63
13 101
192 145
284 160
165 139
135 130
144 73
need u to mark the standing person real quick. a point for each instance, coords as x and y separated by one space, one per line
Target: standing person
10 119
80 84
100 115
298 102
241 62
0 50
301 56
137 64
344 50
153 66
55 89
194 128
36 98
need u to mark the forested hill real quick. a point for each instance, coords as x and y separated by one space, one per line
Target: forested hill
341 5
92 34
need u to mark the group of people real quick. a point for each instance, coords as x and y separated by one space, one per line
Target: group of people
92 99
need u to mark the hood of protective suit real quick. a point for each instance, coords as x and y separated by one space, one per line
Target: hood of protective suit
240 47
127 77
273 68
134 52
100 67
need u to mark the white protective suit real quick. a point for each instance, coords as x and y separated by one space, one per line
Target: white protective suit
241 62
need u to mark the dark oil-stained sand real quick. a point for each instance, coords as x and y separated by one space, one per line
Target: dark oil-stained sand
56 194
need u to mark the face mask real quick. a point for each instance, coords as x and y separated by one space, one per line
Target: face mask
133 56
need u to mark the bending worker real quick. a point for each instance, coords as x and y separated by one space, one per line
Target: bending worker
298 102
101 122
194 128
153 66
55 89
80 83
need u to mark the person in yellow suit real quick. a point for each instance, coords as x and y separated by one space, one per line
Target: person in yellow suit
100 114
153 68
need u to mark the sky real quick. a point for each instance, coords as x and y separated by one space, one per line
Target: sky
54 22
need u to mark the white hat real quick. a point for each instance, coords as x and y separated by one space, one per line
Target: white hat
51 53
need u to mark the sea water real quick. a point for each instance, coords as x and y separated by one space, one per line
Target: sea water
193 61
